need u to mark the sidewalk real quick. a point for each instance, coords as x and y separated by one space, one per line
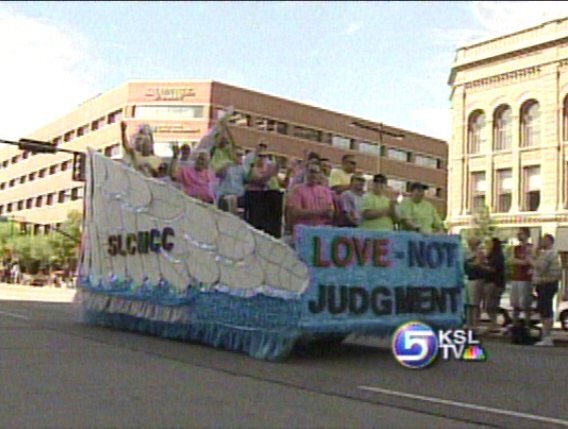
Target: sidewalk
17 292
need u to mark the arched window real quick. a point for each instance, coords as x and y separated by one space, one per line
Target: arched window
530 124
476 131
502 128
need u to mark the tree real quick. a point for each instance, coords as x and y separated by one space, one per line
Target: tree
65 244
483 225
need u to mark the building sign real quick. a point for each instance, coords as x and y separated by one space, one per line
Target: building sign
178 128
365 277
169 94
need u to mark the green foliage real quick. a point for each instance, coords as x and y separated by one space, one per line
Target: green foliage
39 252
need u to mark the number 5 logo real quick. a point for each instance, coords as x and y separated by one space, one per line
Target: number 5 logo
420 339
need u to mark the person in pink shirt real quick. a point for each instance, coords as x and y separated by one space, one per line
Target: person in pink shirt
310 203
197 180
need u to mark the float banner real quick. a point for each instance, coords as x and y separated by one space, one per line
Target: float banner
373 281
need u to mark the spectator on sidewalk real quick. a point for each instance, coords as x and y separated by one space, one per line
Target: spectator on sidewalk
474 263
494 281
521 287
547 272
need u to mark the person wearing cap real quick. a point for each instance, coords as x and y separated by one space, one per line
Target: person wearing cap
340 178
417 214
378 210
310 203
351 202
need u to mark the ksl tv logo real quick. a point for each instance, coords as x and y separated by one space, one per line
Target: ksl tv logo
416 345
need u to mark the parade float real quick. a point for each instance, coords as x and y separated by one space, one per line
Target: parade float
156 261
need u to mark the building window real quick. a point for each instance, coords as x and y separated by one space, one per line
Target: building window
31 177
11 183
307 133
37 229
504 190
9 208
530 124
340 142
2 186
81 131
439 192
57 141
476 132
21 205
282 128
426 161
399 155
47 228
62 197
115 116
397 185
531 188
25 154
29 203
53 169
39 201
369 147
503 128
1 210
65 165
168 111
265 124
75 193
114 150
478 186
50 199
42 172
5 164
240 119
69 136
22 180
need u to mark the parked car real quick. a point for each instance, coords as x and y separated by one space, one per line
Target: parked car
563 315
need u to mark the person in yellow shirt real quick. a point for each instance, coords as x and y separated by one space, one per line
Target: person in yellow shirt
141 156
377 209
417 214
340 178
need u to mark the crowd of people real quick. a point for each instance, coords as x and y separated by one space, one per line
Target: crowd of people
535 269
276 197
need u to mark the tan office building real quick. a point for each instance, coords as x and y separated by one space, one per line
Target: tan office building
38 188
508 148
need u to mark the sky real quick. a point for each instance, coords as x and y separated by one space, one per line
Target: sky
382 61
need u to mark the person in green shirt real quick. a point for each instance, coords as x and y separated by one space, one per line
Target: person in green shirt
377 209
417 214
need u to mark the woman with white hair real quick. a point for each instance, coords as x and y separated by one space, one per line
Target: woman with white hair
141 153
198 180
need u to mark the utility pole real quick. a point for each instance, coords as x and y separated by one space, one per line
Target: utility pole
380 130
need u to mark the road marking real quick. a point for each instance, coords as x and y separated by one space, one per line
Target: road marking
466 405
17 316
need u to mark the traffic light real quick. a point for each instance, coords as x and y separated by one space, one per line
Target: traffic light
36 146
79 161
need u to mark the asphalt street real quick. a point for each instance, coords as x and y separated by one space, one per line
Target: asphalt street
58 373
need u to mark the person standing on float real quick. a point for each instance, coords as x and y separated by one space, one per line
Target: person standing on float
141 156
417 214
377 209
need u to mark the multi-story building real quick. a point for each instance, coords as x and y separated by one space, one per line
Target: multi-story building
508 149
39 189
